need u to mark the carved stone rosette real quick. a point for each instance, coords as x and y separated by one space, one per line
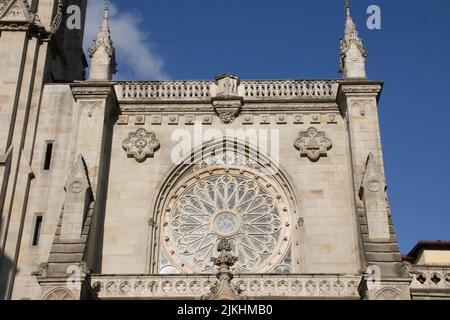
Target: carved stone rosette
141 144
313 144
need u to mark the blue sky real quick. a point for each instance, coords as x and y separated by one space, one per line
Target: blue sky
300 39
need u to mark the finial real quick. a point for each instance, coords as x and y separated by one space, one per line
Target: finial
223 289
106 9
347 7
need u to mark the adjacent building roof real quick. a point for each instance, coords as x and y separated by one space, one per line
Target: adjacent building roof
413 255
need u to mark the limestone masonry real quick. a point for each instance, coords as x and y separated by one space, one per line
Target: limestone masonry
215 189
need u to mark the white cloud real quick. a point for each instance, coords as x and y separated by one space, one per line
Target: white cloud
135 57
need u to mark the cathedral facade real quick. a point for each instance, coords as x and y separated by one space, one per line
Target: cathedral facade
215 189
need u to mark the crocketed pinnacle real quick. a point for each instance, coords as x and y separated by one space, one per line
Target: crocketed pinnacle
104 38
350 36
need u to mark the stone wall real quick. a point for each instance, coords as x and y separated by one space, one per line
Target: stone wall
47 191
327 238
304 121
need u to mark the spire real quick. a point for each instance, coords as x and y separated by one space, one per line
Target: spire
353 52
102 52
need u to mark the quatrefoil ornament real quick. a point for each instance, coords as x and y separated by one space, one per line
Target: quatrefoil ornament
141 144
313 144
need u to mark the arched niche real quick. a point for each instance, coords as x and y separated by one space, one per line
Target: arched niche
59 294
194 208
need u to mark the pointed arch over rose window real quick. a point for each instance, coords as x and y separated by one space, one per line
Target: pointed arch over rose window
225 190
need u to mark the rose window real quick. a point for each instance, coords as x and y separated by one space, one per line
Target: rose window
245 211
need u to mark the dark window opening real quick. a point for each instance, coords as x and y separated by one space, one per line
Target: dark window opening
48 156
37 230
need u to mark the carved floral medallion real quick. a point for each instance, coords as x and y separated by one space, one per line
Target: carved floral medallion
313 144
141 144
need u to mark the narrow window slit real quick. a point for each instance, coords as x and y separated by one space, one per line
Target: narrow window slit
48 156
37 230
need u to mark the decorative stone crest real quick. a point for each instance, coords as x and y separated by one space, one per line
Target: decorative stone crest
141 144
227 111
223 289
227 103
313 144
227 117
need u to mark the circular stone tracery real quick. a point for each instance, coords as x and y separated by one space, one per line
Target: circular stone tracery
226 224
248 212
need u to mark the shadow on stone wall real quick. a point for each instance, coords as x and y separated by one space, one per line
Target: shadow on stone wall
6 266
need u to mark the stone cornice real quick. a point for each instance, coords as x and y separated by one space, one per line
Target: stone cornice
147 108
93 89
96 90
360 87
34 29
14 26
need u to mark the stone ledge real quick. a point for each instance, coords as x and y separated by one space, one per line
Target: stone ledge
293 286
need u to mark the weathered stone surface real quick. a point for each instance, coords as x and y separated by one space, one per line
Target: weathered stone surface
123 197
66 257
